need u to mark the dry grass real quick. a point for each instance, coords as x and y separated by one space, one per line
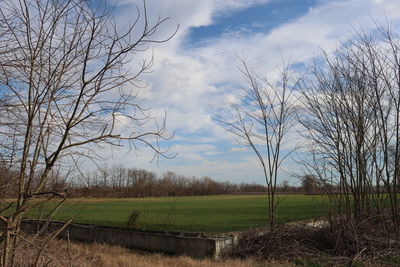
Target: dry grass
63 253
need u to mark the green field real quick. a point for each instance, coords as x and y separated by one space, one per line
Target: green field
210 214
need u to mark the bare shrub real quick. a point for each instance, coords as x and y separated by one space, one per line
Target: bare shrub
351 117
133 219
329 245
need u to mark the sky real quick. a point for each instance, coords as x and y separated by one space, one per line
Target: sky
195 77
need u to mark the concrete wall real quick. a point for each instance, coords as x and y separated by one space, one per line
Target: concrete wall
195 245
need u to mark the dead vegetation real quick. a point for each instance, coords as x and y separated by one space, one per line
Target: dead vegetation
64 253
341 242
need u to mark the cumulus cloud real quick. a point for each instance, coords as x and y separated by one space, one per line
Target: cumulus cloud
195 83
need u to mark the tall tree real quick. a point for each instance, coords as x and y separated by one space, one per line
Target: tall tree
69 85
262 121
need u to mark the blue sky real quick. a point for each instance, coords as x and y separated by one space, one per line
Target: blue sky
259 18
195 75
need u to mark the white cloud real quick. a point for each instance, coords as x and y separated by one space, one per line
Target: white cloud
194 83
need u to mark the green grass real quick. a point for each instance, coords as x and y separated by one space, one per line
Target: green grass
210 214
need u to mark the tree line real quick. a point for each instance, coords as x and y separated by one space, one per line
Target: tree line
122 182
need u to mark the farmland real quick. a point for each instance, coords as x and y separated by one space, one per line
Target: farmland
210 214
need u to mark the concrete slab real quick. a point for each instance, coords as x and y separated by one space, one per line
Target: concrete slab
197 245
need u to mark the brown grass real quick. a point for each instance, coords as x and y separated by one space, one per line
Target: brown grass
63 253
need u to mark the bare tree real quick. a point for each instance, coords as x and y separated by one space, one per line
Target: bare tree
69 82
352 118
262 121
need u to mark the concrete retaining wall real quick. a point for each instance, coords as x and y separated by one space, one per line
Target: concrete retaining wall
195 245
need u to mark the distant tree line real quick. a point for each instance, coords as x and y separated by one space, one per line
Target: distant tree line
121 182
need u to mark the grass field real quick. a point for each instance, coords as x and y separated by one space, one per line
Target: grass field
210 214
